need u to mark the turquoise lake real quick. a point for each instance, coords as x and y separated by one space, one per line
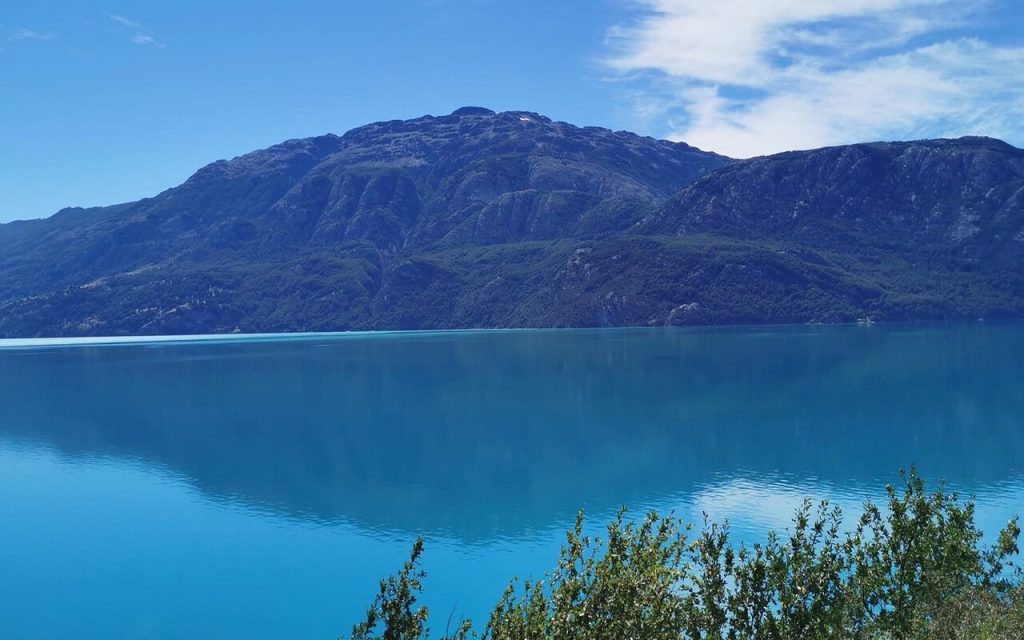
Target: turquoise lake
261 487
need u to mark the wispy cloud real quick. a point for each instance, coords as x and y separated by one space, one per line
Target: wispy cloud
125 22
139 33
29 34
139 38
746 77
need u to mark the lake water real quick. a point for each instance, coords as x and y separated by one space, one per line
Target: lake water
260 488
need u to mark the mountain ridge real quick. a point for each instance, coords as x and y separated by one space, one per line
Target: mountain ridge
485 219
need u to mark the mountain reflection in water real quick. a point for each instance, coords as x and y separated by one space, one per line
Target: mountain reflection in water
484 435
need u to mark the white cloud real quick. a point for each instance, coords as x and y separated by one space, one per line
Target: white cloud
125 22
143 39
29 34
138 35
747 77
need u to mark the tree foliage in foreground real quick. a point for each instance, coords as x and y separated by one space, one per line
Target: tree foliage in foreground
913 569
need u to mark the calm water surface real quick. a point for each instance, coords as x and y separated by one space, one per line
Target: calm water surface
260 488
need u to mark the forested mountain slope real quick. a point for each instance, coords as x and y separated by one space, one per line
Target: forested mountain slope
483 219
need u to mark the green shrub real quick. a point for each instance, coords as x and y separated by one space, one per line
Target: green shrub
914 569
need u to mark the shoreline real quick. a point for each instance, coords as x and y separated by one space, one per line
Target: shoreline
11 344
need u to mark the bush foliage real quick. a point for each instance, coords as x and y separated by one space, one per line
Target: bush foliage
913 568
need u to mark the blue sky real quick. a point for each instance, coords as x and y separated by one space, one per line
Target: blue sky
108 102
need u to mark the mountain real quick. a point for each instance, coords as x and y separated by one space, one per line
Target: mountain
926 229
959 195
484 219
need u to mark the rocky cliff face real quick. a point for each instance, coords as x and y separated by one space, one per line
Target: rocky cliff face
483 219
